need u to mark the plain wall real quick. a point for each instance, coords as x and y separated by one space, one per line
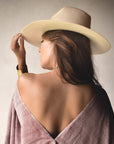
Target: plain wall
15 14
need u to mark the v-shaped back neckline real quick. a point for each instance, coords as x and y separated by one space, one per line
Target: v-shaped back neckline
85 109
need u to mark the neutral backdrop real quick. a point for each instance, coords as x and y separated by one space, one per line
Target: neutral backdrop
15 14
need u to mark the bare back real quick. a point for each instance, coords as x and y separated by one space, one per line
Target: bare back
53 103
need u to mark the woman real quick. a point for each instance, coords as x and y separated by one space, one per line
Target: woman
68 104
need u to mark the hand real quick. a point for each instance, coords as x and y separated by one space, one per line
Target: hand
19 50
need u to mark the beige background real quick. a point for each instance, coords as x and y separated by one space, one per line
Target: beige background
15 14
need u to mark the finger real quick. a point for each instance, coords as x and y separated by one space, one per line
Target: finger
17 35
21 43
14 42
15 39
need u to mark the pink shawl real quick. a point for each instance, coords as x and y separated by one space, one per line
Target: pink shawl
94 124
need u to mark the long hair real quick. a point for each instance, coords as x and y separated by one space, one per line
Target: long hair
73 55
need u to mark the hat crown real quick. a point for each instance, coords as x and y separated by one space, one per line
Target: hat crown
73 15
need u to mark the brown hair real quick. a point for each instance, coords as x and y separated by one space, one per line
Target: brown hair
73 55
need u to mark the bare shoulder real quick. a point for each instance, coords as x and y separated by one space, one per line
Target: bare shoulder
25 80
30 84
28 78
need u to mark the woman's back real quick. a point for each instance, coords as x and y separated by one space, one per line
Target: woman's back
53 103
73 112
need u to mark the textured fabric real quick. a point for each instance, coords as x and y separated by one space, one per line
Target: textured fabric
94 124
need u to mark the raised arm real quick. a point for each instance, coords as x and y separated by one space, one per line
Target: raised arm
20 53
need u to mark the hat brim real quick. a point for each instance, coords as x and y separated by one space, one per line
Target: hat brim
32 33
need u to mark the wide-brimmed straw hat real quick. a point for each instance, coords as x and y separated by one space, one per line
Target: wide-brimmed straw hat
68 18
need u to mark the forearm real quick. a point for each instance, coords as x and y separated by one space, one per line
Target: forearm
21 67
